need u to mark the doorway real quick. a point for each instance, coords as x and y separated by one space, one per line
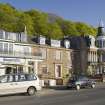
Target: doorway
8 70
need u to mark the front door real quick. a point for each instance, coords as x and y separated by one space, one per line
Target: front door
58 74
58 71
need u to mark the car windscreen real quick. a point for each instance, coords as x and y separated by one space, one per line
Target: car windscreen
82 78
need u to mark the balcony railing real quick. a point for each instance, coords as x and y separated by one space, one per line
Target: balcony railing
22 55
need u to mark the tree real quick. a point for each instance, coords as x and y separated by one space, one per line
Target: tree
55 31
40 23
85 29
68 28
25 20
8 19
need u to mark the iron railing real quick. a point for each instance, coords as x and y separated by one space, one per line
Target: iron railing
20 54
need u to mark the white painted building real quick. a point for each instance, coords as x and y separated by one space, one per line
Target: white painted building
16 54
101 45
92 56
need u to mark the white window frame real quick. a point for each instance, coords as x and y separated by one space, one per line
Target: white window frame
56 75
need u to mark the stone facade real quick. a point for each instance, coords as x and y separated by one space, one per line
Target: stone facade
56 65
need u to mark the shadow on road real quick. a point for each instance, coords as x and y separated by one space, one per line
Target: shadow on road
59 88
11 95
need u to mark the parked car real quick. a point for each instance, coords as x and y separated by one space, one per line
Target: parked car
80 81
19 83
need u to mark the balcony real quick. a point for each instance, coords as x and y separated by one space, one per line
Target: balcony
21 55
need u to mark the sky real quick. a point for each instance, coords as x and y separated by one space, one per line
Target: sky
88 11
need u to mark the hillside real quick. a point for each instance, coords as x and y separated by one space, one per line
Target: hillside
40 23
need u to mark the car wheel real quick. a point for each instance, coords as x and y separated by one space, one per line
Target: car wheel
93 85
31 91
78 87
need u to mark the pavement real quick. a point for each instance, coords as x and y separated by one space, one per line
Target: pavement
100 84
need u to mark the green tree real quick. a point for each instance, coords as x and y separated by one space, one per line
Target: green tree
40 22
55 31
85 29
25 20
68 28
7 17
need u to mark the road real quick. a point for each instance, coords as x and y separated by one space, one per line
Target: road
94 96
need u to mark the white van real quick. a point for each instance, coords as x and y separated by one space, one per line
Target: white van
19 83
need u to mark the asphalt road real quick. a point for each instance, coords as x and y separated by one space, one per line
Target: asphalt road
94 96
